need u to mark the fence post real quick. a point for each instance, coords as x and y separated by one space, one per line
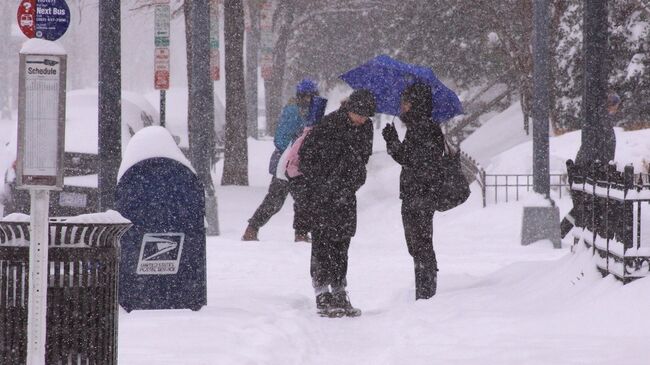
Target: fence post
594 207
483 188
608 206
628 209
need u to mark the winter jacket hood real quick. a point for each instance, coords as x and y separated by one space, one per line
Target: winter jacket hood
420 155
421 98
292 121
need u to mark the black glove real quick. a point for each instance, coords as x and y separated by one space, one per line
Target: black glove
389 133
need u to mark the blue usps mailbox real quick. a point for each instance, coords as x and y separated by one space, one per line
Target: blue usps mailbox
163 263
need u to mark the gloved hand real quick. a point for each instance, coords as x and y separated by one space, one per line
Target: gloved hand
389 133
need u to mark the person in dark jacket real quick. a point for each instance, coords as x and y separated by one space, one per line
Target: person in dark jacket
606 152
333 160
420 155
291 123
607 143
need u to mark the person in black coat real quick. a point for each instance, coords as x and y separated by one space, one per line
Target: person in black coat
605 152
333 160
420 155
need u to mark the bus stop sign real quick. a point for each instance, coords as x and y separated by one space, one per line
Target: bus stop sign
47 19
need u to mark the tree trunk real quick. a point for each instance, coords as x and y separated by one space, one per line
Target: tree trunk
5 89
274 85
200 122
200 99
252 49
109 101
187 12
235 167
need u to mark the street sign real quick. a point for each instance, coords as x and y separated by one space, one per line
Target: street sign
41 117
161 68
214 40
161 35
47 19
267 38
39 168
161 25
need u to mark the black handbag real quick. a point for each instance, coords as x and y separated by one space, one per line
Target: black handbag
454 188
273 162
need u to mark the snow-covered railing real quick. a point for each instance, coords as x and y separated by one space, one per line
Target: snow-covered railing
608 211
506 187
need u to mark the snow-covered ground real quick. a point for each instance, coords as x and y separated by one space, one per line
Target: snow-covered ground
497 303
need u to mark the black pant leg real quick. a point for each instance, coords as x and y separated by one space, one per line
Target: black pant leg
567 223
329 261
301 213
418 231
272 203
340 263
320 261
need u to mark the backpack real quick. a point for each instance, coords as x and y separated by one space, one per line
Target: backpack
454 188
290 160
293 155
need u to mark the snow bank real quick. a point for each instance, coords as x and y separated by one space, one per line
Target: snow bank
109 216
501 132
151 142
16 217
632 147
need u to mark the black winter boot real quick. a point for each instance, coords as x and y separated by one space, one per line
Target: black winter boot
341 306
323 302
426 279
250 234
302 237
566 225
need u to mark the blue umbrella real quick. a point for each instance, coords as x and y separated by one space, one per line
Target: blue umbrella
387 78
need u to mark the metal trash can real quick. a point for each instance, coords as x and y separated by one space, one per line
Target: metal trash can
82 309
163 263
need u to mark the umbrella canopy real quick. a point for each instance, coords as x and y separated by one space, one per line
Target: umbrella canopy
387 78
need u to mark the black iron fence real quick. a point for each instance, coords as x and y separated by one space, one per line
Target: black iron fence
508 187
609 218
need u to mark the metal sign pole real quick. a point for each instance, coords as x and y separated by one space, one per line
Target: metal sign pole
162 107
541 222
38 274
39 168
41 141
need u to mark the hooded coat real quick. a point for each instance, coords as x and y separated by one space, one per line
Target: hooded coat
292 121
420 153
333 159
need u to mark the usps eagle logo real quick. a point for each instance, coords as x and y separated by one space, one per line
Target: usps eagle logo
160 253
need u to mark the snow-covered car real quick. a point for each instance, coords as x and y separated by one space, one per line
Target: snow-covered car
79 194
176 116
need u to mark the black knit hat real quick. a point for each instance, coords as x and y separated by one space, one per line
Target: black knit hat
421 98
361 102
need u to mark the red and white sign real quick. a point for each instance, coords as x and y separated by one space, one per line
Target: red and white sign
27 17
161 68
267 38
214 66
161 42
